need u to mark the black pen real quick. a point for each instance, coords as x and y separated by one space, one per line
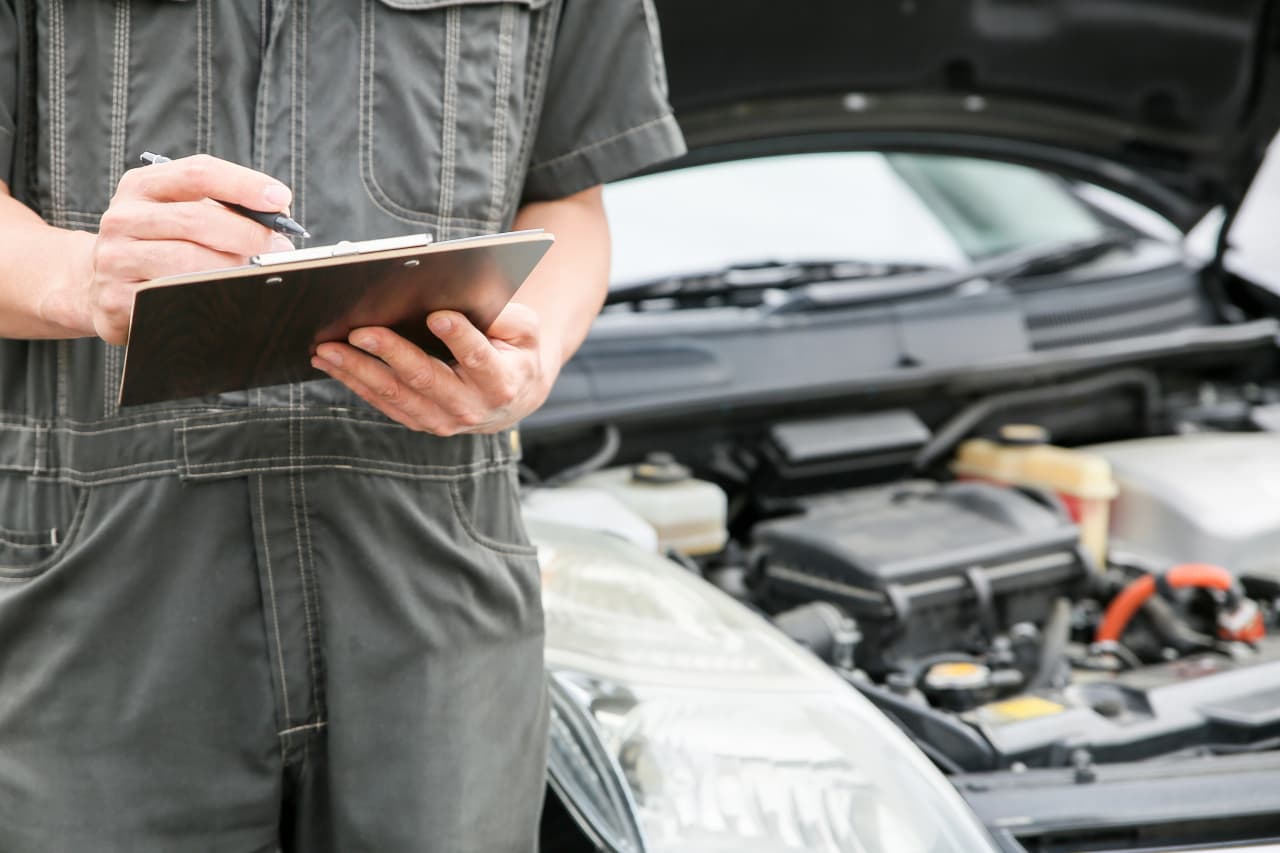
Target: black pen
277 222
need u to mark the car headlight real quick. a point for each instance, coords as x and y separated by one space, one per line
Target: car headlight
716 731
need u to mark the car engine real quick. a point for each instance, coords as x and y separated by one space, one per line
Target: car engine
1011 602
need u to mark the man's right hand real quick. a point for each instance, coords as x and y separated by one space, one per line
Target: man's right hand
162 221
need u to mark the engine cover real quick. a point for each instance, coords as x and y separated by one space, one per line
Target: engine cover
923 567
1206 498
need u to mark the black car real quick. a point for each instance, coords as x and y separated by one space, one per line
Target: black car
918 488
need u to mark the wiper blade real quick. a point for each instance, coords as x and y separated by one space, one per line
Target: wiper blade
1018 263
746 281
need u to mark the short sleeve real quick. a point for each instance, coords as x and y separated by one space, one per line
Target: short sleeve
8 88
605 115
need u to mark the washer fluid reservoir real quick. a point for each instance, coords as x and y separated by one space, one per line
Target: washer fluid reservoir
689 514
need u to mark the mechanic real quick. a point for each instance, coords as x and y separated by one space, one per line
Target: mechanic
284 618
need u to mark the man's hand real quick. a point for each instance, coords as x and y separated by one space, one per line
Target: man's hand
162 221
497 379
504 375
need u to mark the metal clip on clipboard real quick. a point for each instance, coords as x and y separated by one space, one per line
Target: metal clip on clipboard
337 250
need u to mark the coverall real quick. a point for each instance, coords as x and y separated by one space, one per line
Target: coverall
275 618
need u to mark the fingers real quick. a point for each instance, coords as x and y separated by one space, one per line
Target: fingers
198 222
478 361
202 176
142 260
378 385
517 326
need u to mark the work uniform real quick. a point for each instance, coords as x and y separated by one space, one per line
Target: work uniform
275 618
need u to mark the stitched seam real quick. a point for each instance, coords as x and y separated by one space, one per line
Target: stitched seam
406 475
449 136
41 448
120 112
264 95
57 108
301 186
316 687
310 461
547 164
201 80
63 357
502 95
271 591
293 103
534 91
29 538
459 511
295 457
372 189
15 574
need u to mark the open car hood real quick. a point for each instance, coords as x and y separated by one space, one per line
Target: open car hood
1172 102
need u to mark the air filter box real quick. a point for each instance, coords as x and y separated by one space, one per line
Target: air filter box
925 567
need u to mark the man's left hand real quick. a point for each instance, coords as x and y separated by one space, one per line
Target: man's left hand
498 378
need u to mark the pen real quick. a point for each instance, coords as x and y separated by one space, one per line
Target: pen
277 222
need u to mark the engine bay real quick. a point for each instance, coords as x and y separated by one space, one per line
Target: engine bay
1010 582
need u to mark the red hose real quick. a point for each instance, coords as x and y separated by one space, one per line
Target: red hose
1133 596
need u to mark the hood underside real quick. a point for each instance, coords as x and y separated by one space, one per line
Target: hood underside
1171 101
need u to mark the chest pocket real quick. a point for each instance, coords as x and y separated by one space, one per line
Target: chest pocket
445 93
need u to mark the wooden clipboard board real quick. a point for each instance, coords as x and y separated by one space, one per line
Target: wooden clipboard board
246 327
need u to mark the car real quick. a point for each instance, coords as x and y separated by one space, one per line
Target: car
918 487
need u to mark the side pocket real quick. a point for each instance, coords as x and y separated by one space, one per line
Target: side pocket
40 543
487 506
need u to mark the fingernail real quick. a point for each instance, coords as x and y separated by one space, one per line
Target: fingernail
277 195
280 243
366 343
440 325
332 356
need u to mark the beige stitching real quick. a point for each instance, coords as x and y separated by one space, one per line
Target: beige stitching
119 116
535 86
295 456
200 74
301 187
57 110
271 590
502 94
303 728
464 519
449 121
63 356
443 470
546 164
16 574
372 189
293 104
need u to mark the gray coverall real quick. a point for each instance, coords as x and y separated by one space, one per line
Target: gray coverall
274 618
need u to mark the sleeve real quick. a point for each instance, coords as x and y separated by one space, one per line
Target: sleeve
8 88
605 115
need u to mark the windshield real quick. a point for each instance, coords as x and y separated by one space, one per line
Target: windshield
927 210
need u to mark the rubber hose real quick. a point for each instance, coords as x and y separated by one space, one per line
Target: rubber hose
958 427
1124 605
1053 645
602 457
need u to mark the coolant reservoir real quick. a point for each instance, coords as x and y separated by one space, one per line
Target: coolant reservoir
689 514
1021 456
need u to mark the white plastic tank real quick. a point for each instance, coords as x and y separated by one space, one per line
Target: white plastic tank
690 515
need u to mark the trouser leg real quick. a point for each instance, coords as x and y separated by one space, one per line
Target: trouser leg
137 708
432 634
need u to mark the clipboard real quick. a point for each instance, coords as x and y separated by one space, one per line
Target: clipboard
246 327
